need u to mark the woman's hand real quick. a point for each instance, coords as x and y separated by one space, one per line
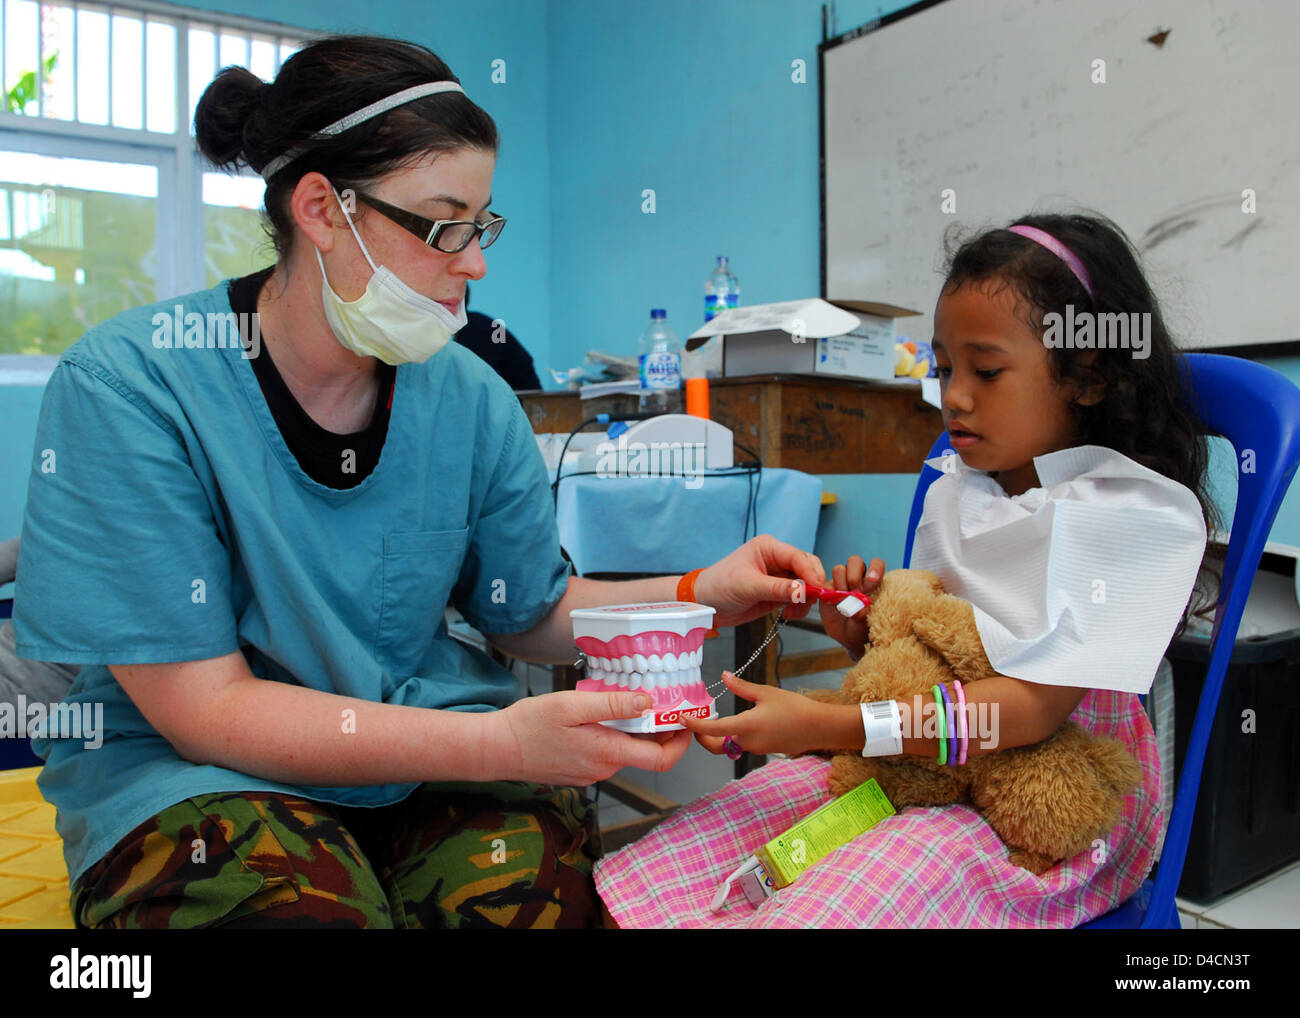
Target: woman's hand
851 634
556 739
779 722
756 579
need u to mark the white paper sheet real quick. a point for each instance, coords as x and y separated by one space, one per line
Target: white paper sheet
1079 582
812 317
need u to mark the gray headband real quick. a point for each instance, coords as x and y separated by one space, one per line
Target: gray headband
360 116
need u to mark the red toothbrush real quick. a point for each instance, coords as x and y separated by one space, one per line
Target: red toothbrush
832 596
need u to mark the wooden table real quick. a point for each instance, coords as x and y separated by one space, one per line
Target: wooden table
814 423
820 424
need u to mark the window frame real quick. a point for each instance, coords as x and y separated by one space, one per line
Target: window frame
167 234
180 217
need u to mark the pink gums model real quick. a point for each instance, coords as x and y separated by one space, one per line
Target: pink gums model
655 648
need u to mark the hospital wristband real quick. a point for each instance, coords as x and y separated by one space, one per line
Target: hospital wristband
943 728
882 724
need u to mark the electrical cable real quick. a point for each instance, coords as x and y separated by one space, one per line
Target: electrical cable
754 494
748 471
559 467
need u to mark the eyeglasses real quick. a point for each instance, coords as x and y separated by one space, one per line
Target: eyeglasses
446 235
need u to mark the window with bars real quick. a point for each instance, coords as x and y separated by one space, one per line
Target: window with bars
104 202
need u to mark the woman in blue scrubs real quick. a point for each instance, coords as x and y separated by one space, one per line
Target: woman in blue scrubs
251 545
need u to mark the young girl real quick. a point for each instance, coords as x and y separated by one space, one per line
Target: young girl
1075 523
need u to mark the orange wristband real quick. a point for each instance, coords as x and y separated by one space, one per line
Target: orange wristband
686 586
686 592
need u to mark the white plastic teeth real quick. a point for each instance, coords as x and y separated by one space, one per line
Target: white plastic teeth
652 663
639 671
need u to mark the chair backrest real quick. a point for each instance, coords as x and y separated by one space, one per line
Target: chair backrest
942 447
1258 411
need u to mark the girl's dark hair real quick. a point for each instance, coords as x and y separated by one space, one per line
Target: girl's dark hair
1144 412
242 120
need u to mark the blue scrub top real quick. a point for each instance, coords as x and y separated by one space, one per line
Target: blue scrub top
167 520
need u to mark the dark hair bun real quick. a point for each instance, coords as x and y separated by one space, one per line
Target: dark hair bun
221 119
242 121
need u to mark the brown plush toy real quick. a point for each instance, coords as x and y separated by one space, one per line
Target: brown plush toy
1047 802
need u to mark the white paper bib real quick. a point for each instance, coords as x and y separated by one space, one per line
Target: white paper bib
1079 582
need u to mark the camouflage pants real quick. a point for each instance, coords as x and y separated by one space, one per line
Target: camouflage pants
457 855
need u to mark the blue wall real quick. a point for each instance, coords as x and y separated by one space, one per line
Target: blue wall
697 103
20 406
604 99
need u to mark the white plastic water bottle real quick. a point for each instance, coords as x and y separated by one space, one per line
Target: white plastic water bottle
660 356
721 290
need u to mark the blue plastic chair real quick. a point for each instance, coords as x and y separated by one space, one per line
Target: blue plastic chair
1255 408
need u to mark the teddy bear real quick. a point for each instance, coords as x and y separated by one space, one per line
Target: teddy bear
1047 801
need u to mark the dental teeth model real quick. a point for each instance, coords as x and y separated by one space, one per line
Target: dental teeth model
655 648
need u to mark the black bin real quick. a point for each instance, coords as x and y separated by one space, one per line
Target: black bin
1247 821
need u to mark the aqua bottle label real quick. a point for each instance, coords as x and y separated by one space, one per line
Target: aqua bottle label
661 371
713 307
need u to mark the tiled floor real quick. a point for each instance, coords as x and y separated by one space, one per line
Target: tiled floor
1271 903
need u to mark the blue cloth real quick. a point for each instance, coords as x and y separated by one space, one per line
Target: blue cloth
675 524
168 521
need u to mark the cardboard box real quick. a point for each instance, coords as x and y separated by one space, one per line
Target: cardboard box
850 338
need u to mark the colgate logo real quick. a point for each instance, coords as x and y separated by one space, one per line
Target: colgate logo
672 717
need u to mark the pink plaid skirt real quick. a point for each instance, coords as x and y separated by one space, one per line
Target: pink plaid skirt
935 867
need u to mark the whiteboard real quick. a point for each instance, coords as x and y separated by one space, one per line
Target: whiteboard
997 102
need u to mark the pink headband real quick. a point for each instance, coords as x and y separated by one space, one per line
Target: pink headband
1060 250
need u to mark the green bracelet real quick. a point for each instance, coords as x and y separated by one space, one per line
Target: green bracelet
943 727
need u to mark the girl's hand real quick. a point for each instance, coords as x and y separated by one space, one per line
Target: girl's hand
855 576
779 722
756 579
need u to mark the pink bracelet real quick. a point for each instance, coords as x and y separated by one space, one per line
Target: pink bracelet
962 727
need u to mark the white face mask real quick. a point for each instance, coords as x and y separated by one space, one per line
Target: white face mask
390 320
